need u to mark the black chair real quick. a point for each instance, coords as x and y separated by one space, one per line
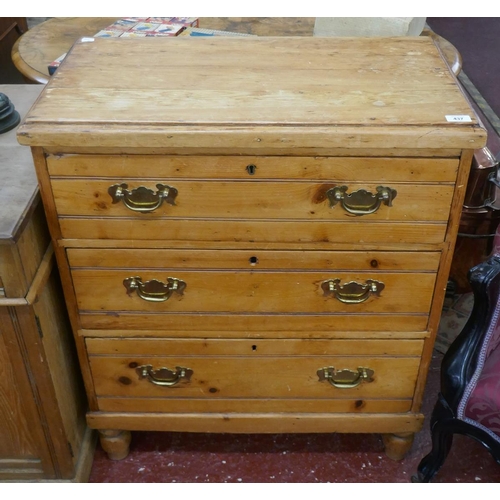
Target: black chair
469 399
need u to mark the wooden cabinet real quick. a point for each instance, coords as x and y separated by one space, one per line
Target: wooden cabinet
43 433
259 241
11 29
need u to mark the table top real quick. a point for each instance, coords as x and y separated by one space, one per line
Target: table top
256 92
19 183
44 43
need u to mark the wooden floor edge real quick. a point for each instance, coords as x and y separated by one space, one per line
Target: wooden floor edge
258 423
86 457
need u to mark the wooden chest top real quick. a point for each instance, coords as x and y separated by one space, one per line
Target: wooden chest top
253 92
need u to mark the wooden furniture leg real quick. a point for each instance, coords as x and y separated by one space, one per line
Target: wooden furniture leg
115 443
397 445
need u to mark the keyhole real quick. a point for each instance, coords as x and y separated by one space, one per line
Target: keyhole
254 348
251 169
253 261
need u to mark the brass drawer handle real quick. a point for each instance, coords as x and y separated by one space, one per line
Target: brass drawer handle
154 290
164 376
361 202
352 292
345 379
142 199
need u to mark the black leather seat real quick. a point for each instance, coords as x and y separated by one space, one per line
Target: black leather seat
469 399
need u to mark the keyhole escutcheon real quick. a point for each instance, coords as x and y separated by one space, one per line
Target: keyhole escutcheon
251 169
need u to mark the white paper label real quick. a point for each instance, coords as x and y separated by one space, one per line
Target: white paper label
87 39
458 118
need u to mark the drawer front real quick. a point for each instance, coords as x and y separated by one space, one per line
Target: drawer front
162 291
230 325
298 232
255 167
284 200
231 293
160 198
280 370
262 326
255 260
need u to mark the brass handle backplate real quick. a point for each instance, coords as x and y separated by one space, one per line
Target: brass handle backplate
164 376
361 202
345 379
154 290
352 292
142 199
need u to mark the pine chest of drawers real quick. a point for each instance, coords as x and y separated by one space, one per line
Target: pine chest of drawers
254 234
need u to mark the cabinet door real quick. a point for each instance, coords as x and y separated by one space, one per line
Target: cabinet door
23 448
11 28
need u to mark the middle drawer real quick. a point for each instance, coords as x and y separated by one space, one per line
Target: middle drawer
148 280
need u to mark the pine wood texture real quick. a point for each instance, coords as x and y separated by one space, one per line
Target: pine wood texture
115 443
313 151
397 445
280 377
253 86
280 370
269 200
45 42
324 168
242 347
270 422
304 233
256 260
252 134
42 44
236 406
247 292
220 325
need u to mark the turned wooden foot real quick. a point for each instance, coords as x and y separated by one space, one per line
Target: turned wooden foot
397 445
115 443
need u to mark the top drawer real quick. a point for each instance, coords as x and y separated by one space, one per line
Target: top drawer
255 167
355 186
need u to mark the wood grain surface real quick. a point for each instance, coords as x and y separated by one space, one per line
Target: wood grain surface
253 200
45 42
247 292
256 259
185 166
236 91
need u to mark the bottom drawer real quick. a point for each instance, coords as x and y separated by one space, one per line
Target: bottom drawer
143 375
